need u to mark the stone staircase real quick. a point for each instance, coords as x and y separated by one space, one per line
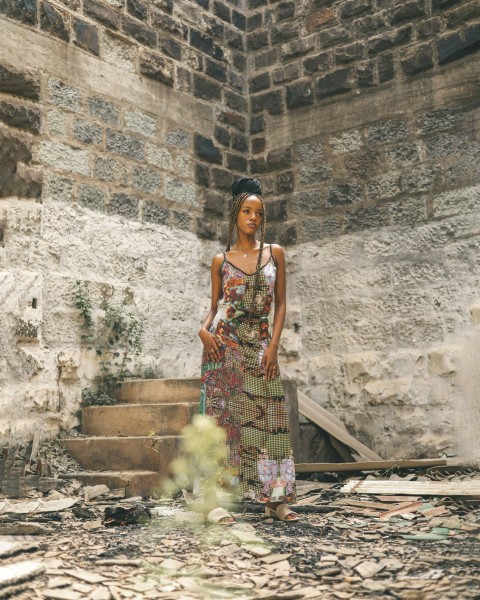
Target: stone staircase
131 444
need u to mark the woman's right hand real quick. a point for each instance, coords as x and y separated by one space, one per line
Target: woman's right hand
211 345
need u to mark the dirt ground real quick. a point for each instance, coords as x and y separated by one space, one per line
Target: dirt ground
341 548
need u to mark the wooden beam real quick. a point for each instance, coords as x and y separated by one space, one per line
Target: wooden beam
332 425
371 465
414 488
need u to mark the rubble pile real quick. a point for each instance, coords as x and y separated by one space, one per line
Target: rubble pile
79 542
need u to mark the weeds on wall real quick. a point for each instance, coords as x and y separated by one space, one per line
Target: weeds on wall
115 334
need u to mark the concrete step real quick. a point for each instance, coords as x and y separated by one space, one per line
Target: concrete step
136 483
137 419
158 391
151 453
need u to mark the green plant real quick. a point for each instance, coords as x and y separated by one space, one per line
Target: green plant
116 336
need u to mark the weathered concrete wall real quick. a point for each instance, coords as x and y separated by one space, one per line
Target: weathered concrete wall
365 124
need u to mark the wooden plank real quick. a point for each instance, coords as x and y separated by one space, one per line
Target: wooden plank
416 488
333 426
372 465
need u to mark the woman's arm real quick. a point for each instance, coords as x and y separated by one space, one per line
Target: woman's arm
208 339
269 360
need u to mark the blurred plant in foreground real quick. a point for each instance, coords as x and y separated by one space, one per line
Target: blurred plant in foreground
201 464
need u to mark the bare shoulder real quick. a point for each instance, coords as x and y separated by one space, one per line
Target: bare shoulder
278 252
217 260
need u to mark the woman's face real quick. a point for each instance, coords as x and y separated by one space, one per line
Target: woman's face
250 215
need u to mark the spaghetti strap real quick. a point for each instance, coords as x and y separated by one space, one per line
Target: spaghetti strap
271 253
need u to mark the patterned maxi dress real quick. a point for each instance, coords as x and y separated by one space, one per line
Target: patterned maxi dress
234 391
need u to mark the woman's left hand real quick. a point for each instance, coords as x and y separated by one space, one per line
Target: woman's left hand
269 364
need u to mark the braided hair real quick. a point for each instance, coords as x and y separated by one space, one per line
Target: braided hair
240 190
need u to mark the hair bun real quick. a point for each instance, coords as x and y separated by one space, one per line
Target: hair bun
246 185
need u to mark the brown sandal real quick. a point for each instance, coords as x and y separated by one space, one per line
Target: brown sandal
281 512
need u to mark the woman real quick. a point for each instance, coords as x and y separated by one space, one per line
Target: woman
241 385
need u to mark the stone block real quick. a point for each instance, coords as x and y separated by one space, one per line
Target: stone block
20 117
387 131
138 9
284 183
15 181
300 94
429 27
91 196
205 149
153 212
86 36
442 361
179 191
101 12
363 366
346 142
64 95
239 20
420 179
333 36
384 186
140 122
63 157
22 84
146 180
159 156
318 62
206 89
237 163
222 136
168 24
386 67
403 155
215 203
363 218
87 132
347 193
312 229
24 11
408 211
266 59
289 72
157 67
181 220
170 47
235 101
308 201
118 51
407 11
257 40
336 82
259 83
178 138
239 142
216 70
418 59
315 173
222 179
475 313
388 392
297 48
103 110
467 11
106 168
55 21
125 145
139 31
439 119
279 158
124 206
58 189
353 8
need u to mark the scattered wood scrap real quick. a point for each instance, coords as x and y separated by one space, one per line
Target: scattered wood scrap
375 465
416 488
332 425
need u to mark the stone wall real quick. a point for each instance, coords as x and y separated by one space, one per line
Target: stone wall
365 124
122 123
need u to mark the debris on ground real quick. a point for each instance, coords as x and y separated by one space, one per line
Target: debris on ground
346 545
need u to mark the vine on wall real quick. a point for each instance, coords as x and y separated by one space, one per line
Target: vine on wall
115 334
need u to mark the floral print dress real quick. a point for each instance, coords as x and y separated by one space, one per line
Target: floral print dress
235 392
